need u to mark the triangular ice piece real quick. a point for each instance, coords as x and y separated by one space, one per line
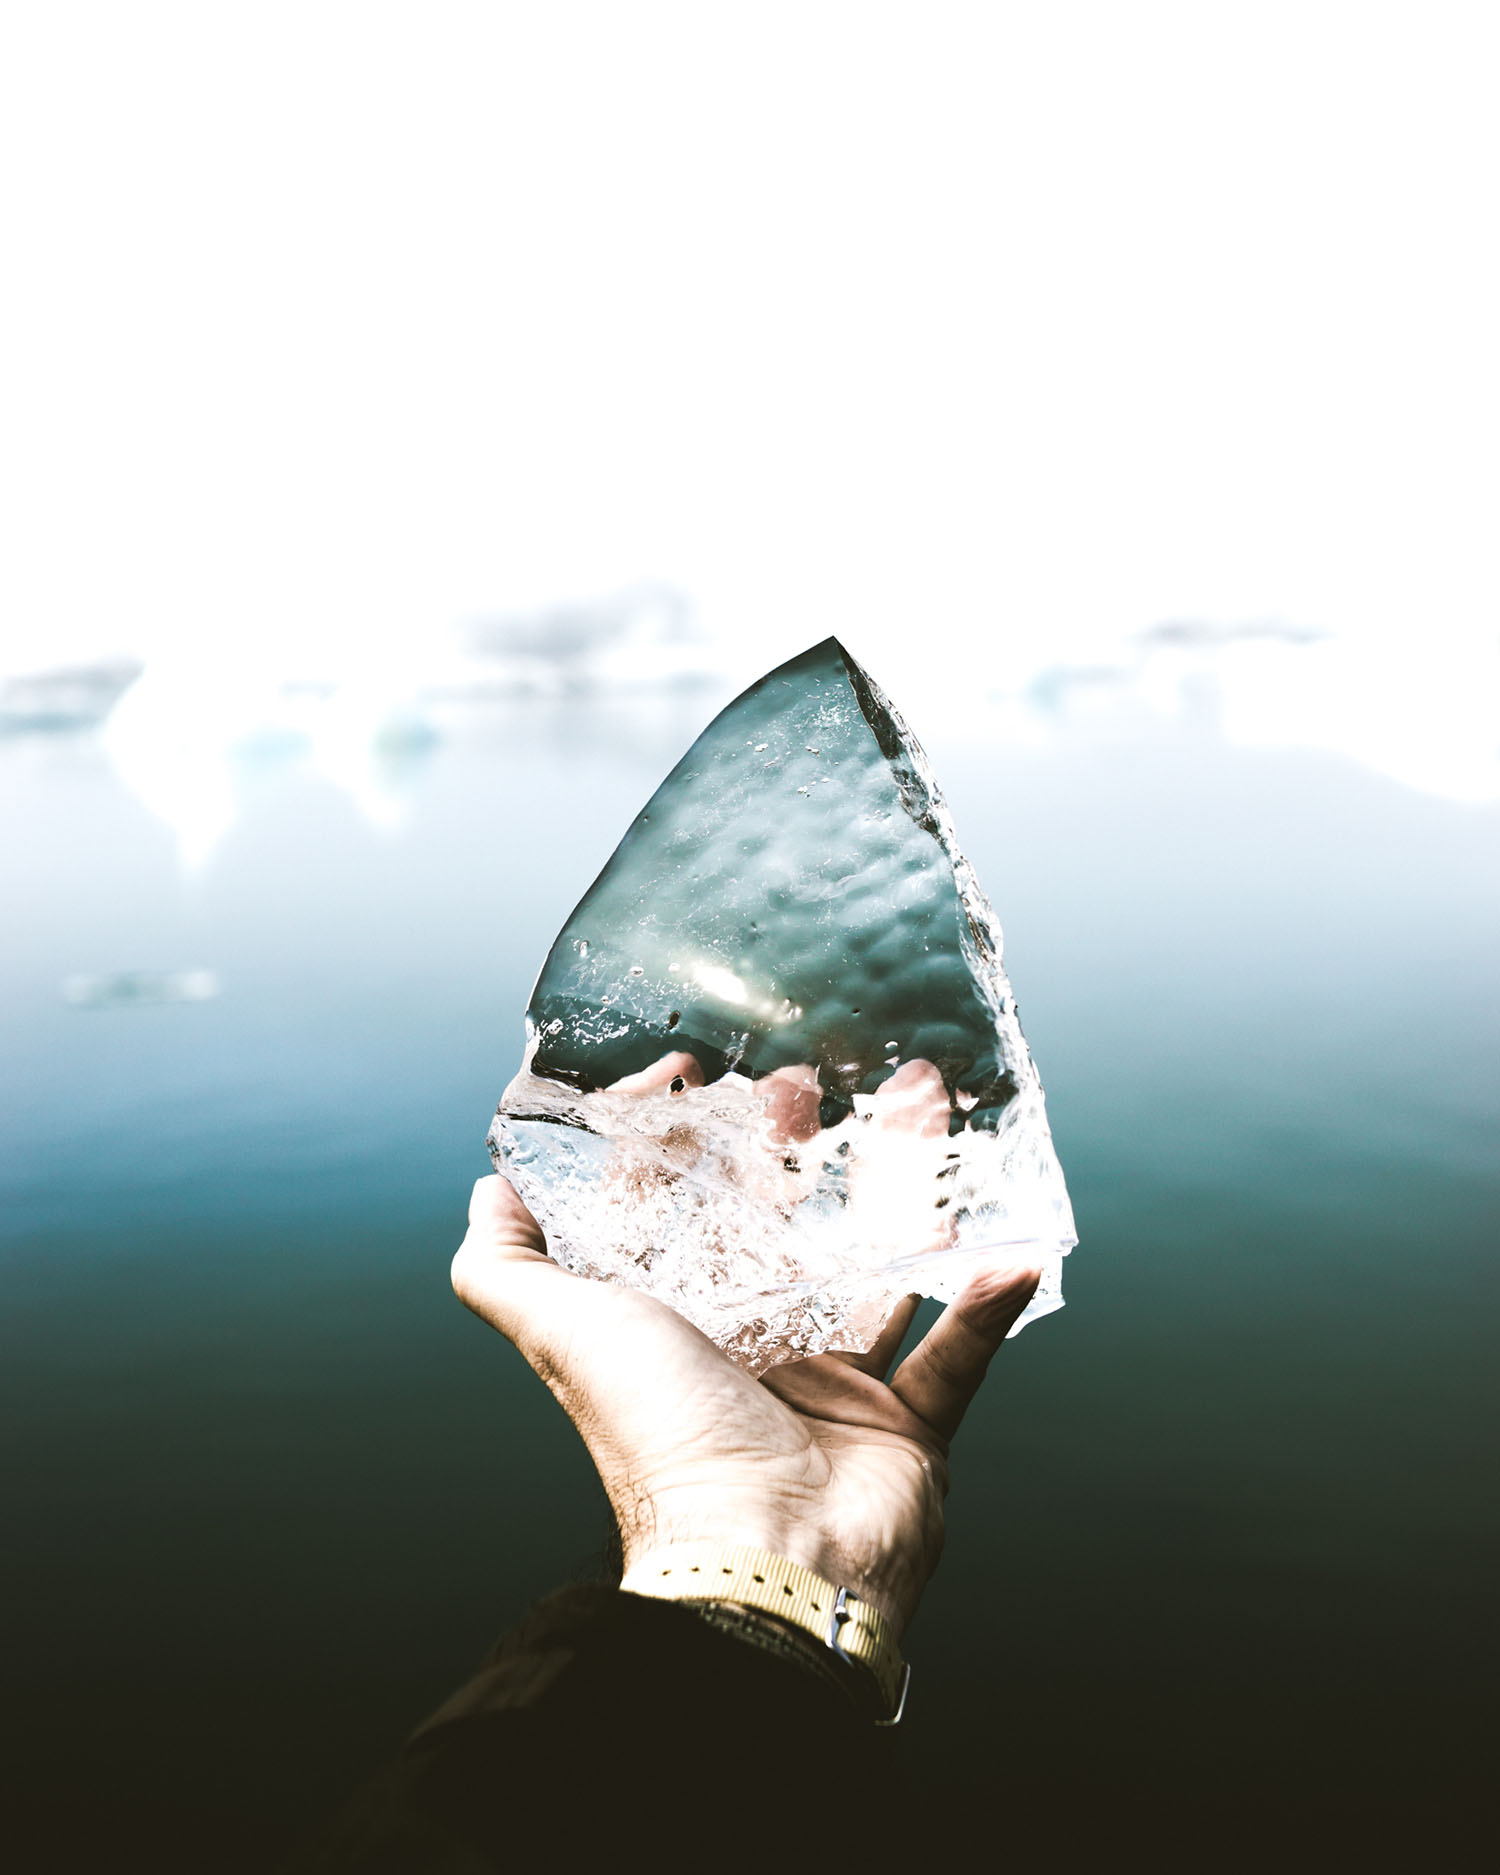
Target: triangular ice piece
773 1069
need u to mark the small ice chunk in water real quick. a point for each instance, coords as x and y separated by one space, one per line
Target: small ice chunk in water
773 1069
135 988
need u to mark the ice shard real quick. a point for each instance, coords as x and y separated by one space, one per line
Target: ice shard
773 1069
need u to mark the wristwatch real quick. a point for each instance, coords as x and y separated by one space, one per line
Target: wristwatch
845 1623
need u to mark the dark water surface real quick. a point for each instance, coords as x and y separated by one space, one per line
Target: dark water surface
1223 1536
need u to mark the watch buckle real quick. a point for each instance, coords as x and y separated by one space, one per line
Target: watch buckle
842 1613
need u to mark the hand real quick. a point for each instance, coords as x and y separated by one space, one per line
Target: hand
820 1461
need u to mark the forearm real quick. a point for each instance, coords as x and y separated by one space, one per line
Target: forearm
605 1717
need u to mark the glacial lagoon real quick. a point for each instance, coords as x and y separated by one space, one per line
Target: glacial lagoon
270 1491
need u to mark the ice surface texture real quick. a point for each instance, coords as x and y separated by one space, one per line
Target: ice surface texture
773 1069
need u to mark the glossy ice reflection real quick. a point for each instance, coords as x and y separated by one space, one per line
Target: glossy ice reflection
774 1072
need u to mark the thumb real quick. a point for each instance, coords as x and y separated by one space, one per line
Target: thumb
604 1350
499 1222
503 1273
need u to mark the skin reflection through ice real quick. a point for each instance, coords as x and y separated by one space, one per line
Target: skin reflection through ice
893 1150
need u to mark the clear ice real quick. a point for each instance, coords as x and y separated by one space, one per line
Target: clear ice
773 1069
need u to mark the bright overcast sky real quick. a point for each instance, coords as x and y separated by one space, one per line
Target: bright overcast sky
989 325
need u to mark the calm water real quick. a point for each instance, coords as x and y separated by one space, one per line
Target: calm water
1223 1536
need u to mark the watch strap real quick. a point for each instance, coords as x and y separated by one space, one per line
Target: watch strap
842 1621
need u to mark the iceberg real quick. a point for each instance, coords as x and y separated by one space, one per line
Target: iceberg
773 1070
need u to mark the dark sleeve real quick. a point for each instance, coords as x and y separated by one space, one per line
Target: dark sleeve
609 1725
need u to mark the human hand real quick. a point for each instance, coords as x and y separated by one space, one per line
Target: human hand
820 1461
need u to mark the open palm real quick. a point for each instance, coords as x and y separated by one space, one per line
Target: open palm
820 1461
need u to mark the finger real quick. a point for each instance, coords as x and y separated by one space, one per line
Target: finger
941 1375
877 1359
913 1100
792 1097
671 1069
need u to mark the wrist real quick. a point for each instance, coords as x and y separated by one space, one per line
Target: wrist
760 1582
770 1634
